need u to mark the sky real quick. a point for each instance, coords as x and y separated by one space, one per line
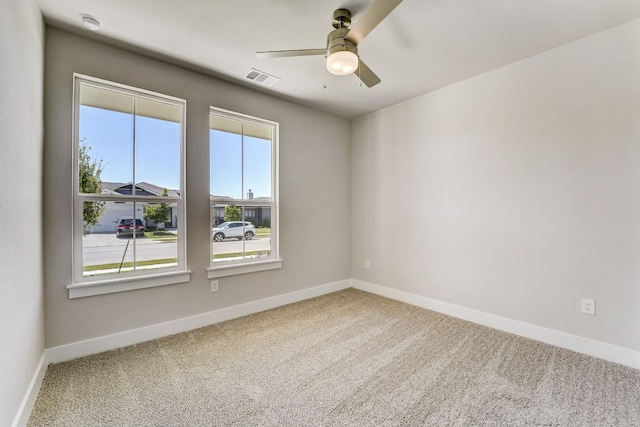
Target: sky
226 160
109 134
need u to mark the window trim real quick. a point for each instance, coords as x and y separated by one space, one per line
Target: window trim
82 285
120 284
273 261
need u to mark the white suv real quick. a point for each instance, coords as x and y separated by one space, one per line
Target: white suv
237 229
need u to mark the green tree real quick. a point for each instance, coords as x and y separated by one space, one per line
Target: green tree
159 212
232 213
89 170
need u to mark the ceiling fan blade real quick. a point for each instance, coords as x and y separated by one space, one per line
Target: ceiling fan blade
365 74
371 18
286 53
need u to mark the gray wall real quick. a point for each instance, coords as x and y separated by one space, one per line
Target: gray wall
314 192
516 192
21 300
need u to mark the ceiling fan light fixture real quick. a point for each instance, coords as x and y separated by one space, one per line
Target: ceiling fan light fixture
341 52
342 62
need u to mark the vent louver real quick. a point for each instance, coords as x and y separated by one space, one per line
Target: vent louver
262 78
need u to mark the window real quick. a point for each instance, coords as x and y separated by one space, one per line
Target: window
243 186
128 188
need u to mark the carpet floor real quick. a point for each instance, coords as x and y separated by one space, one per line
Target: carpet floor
349 358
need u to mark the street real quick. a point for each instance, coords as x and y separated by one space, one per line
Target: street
100 249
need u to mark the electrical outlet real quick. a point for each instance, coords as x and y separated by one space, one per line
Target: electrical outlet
589 306
366 264
214 286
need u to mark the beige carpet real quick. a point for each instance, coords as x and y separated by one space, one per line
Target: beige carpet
345 359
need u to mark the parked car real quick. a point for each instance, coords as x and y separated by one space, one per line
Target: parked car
230 229
125 228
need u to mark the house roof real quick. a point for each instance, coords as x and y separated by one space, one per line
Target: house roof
125 188
113 187
231 200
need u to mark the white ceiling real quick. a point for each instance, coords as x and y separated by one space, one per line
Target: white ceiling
421 46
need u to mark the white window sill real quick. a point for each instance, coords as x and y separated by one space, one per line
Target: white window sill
110 285
251 267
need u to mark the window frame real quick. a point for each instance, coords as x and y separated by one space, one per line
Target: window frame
251 265
82 285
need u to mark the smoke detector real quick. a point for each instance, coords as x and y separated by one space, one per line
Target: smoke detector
90 22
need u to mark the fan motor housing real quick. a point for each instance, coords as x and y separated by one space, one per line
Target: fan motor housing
336 42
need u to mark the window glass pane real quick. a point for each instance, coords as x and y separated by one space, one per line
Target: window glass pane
226 164
238 241
157 147
118 246
257 168
106 135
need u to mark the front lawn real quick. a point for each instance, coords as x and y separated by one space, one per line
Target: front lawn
164 236
263 232
129 264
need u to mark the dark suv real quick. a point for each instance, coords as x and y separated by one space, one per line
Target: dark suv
125 228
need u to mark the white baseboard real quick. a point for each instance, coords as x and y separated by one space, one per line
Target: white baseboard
136 336
22 417
576 343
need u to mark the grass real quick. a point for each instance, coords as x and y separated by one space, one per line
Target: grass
164 236
263 232
237 254
129 264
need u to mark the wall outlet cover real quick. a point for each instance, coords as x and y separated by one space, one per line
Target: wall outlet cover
589 306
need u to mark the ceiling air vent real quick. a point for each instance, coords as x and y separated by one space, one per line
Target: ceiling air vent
259 77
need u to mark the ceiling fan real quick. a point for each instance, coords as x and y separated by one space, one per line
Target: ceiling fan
342 43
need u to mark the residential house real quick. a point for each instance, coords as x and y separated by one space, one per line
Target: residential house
113 211
255 210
